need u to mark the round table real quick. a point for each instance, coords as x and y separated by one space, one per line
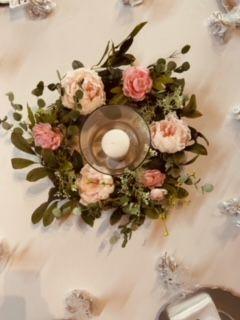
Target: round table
47 263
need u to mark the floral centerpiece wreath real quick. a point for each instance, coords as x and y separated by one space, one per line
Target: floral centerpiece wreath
51 131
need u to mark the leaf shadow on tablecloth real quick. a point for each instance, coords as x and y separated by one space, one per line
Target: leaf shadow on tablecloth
22 297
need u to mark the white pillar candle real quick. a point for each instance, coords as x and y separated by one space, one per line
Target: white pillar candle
115 143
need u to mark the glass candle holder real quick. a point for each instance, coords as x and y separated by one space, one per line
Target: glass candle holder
108 121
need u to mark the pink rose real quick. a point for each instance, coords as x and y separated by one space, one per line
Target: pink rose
170 135
158 194
153 178
137 83
91 85
46 137
94 186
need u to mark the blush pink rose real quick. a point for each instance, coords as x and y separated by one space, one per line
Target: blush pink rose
170 135
137 83
158 194
47 138
153 178
91 85
94 186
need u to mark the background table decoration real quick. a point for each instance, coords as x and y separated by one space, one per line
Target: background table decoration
48 264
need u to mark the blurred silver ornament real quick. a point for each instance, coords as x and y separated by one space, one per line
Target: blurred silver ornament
231 208
220 24
172 276
236 112
132 3
80 305
17 3
40 9
228 5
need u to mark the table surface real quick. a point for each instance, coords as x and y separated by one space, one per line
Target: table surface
50 262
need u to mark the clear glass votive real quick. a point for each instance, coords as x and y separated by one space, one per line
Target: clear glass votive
102 121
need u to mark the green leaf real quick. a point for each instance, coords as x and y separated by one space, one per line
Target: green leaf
77 64
78 95
190 110
181 193
72 131
116 216
67 208
185 49
48 216
20 163
17 116
197 148
118 99
10 96
49 158
137 29
31 116
41 103
77 211
37 174
116 90
20 143
38 91
152 213
73 115
175 172
88 219
105 53
125 45
191 160
38 213
77 161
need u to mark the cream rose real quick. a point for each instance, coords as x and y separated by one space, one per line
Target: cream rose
91 85
158 194
94 186
170 135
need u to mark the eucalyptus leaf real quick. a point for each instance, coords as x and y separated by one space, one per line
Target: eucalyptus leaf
38 91
41 103
208 187
17 116
10 96
6 126
52 86
185 49
184 67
